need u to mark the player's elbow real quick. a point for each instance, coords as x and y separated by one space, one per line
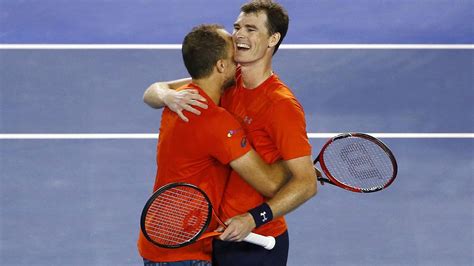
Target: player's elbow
314 189
146 97
149 97
310 188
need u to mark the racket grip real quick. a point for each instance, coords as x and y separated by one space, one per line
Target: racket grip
267 242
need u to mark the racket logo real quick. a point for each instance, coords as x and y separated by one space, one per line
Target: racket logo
264 217
359 161
192 221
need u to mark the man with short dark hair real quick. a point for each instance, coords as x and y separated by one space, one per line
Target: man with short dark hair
200 152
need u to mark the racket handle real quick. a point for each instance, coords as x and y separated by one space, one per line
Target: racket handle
325 180
268 242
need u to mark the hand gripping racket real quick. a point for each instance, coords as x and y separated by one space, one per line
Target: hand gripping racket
178 214
357 162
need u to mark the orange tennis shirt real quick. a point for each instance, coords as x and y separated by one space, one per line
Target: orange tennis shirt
275 126
196 152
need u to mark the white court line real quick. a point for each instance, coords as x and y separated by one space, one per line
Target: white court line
178 46
283 46
155 136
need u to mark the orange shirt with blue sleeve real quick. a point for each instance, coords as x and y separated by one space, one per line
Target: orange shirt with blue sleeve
196 152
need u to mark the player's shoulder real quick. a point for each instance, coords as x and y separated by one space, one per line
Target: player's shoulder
279 93
218 117
212 123
221 114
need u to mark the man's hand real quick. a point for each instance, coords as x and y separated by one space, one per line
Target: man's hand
238 227
178 101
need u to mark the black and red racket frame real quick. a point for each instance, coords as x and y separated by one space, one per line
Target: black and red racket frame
150 202
332 180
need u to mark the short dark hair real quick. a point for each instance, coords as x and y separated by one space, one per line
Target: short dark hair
277 16
202 48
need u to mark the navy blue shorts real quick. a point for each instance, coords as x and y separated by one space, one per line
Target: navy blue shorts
242 253
177 263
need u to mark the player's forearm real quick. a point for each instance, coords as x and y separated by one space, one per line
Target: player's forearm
266 179
278 174
292 195
301 187
155 94
275 178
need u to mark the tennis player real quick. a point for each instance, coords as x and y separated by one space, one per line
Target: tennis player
275 125
199 152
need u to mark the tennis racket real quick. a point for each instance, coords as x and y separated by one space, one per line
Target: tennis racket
357 162
178 214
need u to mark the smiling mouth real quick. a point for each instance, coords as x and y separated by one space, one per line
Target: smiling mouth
242 47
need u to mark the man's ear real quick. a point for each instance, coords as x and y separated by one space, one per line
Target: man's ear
220 65
274 39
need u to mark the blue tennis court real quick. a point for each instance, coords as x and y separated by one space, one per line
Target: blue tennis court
77 201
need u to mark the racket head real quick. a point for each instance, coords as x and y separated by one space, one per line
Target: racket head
358 162
176 215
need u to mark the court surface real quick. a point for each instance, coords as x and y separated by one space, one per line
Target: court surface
77 201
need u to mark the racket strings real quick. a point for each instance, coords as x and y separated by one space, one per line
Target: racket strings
154 228
173 233
176 216
167 224
358 162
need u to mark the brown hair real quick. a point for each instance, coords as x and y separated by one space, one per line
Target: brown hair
202 48
277 16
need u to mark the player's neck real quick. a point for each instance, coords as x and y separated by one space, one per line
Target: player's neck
255 73
210 87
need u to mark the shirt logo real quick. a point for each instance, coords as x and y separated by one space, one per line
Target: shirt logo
243 142
232 132
247 120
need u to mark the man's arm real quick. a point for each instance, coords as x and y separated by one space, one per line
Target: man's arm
287 129
161 94
265 178
301 187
